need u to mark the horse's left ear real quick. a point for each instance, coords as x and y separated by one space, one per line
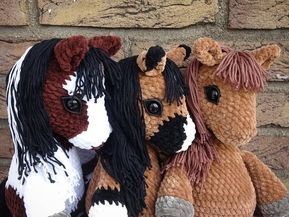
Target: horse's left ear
179 54
109 44
265 56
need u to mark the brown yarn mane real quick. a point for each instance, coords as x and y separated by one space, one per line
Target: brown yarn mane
241 70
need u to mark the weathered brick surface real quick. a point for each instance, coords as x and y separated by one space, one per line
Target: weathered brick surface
127 14
3 111
3 173
13 13
10 53
6 148
273 109
274 152
258 14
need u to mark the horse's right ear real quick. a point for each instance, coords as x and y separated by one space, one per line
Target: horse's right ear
207 51
110 44
69 52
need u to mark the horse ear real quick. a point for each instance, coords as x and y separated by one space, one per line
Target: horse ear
265 56
153 61
69 52
207 51
109 44
179 54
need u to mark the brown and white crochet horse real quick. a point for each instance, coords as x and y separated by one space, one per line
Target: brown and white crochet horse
153 82
214 177
60 96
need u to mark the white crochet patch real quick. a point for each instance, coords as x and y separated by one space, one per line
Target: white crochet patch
43 198
190 131
106 209
99 128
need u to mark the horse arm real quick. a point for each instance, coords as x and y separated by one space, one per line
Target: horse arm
103 195
69 52
175 194
271 194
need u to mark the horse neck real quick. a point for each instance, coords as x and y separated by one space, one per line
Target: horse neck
221 147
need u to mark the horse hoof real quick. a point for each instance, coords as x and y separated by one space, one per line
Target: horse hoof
61 214
168 206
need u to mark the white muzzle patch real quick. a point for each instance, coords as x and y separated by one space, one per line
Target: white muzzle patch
190 131
98 129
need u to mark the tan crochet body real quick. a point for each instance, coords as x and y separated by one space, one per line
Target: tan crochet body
237 183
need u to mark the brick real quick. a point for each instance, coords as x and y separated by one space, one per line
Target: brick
3 110
272 150
127 14
3 173
273 109
10 53
6 147
258 14
286 182
13 13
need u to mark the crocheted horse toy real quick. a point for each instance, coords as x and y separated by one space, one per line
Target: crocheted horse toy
158 118
214 177
60 96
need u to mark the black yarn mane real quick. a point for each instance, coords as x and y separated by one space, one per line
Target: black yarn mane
91 72
124 156
175 85
32 122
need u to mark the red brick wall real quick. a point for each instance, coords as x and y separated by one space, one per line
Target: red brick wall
244 24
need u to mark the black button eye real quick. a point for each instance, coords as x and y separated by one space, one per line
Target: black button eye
72 104
213 94
153 107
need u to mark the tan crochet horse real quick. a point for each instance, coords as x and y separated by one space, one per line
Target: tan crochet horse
214 177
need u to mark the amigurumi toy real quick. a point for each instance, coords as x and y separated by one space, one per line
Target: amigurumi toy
156 118
214 177
59 96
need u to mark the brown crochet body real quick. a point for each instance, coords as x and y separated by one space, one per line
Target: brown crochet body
235 183
102 180
14 202
152 86
153 180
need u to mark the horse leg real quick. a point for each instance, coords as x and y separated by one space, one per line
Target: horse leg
175 195
103 196
272 195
